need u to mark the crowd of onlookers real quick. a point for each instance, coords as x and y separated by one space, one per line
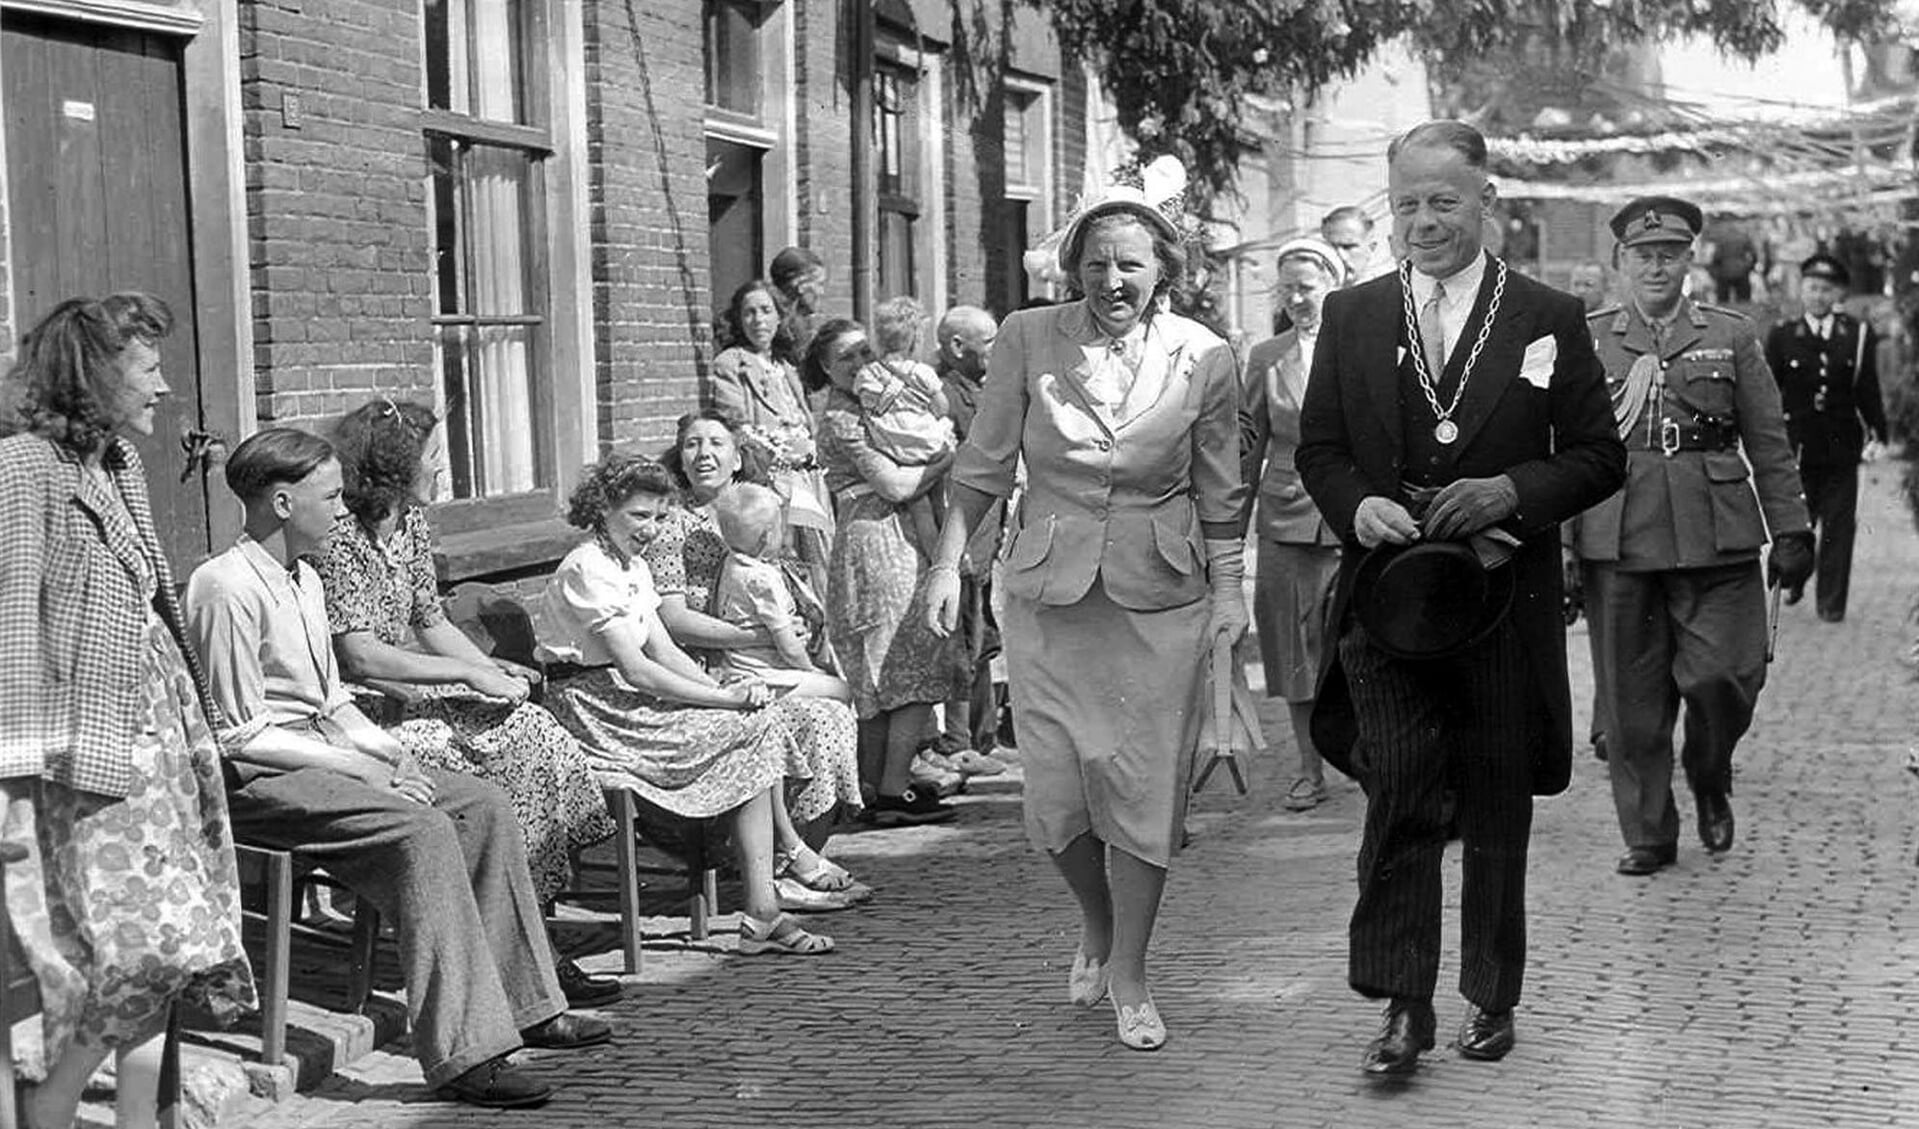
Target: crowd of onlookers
740 633
731 637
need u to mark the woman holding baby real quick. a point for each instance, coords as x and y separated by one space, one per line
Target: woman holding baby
897 667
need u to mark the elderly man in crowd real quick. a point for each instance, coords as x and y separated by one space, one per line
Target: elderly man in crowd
964 338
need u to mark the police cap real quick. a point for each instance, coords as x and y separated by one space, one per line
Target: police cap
1657 219
1825 266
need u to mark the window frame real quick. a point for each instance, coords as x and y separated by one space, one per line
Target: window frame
930 135
771 130
522 528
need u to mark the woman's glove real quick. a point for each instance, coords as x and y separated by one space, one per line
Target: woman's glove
1226 569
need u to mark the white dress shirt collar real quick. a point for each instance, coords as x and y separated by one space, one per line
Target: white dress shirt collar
1461 285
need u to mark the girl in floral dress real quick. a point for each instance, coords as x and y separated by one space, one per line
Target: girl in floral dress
110 776
694 747
472 714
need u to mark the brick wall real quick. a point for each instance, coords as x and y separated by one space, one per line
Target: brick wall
647 201
826 114
336 203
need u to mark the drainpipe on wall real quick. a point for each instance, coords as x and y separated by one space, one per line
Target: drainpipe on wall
865 204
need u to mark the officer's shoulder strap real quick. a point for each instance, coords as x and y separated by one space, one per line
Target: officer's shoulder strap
1722 311
1609 310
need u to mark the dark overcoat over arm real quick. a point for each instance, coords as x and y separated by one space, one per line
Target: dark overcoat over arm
1547 425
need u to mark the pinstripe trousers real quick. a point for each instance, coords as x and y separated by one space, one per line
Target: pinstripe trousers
1441 741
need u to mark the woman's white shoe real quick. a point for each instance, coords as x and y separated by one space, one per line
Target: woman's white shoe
1086 985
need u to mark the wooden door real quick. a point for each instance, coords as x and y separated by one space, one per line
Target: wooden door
97 202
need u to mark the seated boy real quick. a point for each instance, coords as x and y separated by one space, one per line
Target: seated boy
439 854
751 592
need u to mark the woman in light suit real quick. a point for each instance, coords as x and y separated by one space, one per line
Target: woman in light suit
1298 553
1126 416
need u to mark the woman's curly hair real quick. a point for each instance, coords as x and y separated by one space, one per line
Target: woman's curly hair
610 482
63 381
753 465
380 444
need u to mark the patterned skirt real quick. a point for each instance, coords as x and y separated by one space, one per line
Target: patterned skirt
123 905
875 603
529 754
697 762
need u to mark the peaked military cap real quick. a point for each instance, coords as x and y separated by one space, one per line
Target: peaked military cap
1657 219
1825 266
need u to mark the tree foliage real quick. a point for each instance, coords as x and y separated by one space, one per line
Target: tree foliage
1184 75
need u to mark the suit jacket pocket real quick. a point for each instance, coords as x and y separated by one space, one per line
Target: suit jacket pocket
1024 571
1176 546
1736 521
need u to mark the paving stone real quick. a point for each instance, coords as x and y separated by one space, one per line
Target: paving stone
1768 989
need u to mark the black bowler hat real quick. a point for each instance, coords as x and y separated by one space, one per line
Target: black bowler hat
1657 219
1825 266
1429 600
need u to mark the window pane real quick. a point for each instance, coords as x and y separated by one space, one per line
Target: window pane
735 217
733 56
448 246
896 255
1016 171
484 204
476 58
895 117
498 187
488 381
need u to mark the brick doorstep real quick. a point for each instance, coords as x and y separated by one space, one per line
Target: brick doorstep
223 1081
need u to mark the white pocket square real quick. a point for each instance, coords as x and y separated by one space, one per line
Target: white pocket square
1536 367
1400 357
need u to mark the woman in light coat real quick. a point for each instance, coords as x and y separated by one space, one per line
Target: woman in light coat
1124 566
1298 553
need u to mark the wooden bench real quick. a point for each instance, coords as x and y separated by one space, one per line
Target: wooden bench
20 998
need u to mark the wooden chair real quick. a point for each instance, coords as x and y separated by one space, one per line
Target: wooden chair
20 998
499 624
279 870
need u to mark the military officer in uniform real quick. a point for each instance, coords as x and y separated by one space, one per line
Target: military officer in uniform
1670 565
1829 380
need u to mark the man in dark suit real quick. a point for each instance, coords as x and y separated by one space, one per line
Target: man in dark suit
1828 374
1483 418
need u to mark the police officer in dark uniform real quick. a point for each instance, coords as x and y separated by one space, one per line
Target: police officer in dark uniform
1829 381
1674 595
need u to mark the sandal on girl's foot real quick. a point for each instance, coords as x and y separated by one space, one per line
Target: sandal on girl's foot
795 896
1140 1027
817 872
1086 984
1305 794
782 936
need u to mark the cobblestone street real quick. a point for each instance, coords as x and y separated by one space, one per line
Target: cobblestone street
1771 987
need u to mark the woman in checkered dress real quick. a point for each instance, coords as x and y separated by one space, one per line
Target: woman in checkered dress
110 776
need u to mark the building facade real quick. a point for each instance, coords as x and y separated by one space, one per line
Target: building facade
523 212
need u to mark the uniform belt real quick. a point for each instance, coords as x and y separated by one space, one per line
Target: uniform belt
1672 437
